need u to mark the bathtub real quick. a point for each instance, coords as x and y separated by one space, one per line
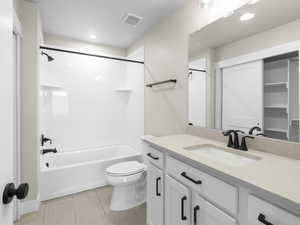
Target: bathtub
71 172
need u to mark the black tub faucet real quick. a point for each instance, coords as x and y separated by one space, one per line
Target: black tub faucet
228 133
45 151
44 140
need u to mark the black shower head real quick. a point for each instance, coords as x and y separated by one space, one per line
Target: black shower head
50 58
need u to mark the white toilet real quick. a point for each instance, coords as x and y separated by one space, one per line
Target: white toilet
129 184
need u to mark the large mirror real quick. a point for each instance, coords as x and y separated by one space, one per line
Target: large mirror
244 71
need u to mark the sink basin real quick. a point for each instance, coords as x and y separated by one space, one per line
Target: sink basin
223 155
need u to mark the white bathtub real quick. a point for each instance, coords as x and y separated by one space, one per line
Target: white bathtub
72 172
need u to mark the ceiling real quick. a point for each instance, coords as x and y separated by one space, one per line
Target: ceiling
78 19
269 14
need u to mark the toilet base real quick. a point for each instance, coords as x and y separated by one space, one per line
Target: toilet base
128 196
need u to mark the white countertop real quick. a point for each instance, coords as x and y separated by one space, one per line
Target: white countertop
277 175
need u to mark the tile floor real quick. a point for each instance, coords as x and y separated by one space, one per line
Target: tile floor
85 208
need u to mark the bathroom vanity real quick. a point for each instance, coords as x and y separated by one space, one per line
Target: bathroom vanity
197 181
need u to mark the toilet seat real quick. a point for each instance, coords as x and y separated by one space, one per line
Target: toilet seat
125 168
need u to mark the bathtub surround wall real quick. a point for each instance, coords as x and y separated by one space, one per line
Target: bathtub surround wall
80 46
89 102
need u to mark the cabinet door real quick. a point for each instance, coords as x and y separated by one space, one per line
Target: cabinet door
177 203
204 213
261 212
155 196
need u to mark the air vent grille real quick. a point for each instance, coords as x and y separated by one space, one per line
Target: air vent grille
132 20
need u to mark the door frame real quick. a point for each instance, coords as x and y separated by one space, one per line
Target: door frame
17 32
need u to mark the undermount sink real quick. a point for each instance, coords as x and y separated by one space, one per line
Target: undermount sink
223 155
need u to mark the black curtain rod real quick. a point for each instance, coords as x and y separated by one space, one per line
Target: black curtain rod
191 69
94 55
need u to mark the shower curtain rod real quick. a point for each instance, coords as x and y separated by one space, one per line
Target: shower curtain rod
93 55
191 69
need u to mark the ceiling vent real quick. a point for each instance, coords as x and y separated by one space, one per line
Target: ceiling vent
132 20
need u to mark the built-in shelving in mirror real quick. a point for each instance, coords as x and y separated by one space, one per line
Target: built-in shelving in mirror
244 73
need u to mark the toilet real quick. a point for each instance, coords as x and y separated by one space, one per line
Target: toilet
129 184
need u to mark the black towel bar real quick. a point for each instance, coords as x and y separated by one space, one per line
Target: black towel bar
161 82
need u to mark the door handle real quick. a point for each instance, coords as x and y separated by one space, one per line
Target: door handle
10 191
183 217
153 157
191 179
262 218
196 208
157 180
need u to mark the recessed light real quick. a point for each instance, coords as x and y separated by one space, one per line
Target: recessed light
252 2
93 36
206 3
247 16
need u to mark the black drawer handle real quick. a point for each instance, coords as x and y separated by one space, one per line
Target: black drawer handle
191 179
262 218
153 157
196 209
183 217
157 180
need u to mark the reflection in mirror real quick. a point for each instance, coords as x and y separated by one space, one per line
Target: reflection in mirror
244 71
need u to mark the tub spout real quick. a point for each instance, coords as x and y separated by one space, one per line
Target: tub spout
45 151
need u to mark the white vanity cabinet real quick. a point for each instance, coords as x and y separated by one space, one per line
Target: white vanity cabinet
261 212
204 213
179 194
155 196
177 203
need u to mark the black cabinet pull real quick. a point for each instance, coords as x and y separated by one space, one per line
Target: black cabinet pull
157 180
191 179
183 217
262 218
152 157
196 208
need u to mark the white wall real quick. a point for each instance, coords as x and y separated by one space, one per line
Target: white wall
166 56
86 111
71 44
30 20
280 35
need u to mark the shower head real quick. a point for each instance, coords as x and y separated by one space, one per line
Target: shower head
50 58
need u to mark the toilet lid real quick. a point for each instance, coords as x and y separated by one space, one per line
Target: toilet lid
126 168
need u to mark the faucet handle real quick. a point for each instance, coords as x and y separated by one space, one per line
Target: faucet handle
230 139
244 144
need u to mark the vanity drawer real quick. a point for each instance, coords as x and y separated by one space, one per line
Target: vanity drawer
217 191
154 156
261 212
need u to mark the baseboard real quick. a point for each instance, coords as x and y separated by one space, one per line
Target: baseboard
29 206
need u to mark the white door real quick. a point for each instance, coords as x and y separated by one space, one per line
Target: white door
177 203
197 98
6 99
204 213
155 196
242 106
